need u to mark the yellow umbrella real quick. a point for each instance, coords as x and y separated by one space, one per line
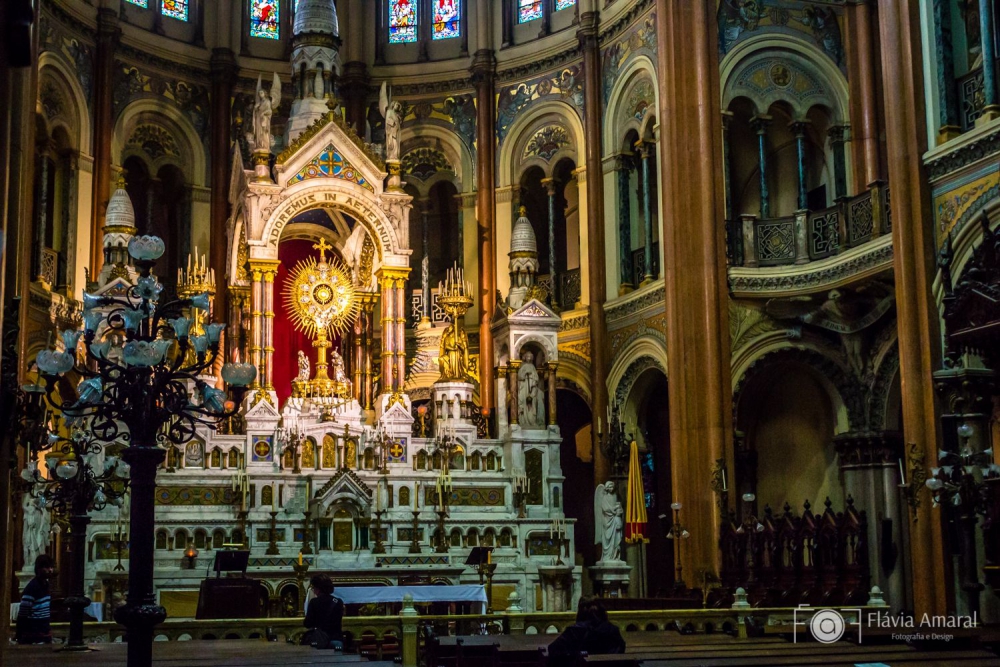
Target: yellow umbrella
635 503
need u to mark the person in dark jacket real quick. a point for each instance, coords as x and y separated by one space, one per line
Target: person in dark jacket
325 611
34 614
592 634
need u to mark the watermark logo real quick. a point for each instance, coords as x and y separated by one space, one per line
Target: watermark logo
826 626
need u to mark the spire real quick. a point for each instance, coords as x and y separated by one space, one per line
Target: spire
523 260
315 63
119 228
316 17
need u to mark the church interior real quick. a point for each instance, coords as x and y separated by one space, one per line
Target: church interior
686 309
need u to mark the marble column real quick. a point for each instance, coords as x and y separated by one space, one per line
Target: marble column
108 34
256 311
263 272
550 189
513 366
623 168
599 353
837 145
759 124
368 330
267 337
484 67
393 283
917 314
949 124
553 366
42 221
987 33
224 68
799 131
861 61
645 157
698 354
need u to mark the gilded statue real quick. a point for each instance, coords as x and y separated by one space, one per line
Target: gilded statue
453 355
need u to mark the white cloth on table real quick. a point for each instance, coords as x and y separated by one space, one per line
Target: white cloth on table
381 594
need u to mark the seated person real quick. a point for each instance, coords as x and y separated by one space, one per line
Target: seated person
592 634
33 613
325 611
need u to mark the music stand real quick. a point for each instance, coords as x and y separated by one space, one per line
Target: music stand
231 561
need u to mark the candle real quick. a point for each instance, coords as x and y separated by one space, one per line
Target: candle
489 557
725 487
902 473
309 486
300 559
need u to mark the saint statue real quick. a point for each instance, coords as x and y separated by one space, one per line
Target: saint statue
453 354
304 368
530 401
392 111
608 522
35 532
342 384
260 139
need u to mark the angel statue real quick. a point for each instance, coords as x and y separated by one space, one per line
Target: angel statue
304 369
260 139
608 522
392 111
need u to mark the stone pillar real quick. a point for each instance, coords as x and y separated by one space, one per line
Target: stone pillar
224 69
262 272
484 66
552 367
267 333
836 136
949 125
367 341
400 302
393 283
760 125
256 327
861 62
623 167
917 315
732 226
698 355
513 366
647 211
42 195
987 33
425 262
108 34
550 189
799 130
589 45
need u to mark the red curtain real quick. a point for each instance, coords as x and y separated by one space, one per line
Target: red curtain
287 339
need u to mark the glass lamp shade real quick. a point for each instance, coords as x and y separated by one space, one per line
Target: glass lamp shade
146 248
70 339
148 288
181 326
90 301
201 301
51 362
90 391
142 353
214 332
92 320
100 498
239 375
675 506
100 350
934 484
67 469
965 430
213 400
749 497
133 318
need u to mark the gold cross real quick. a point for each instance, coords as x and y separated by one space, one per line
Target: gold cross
322 246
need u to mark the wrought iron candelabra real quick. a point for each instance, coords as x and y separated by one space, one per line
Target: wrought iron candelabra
139 394
615 443
75 489
677 533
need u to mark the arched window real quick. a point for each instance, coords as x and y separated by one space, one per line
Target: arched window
564 4
139 3
176 9
403 20
447 19
529 10
161 539
264 16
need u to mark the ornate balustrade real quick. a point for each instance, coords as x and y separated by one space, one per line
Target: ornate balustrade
787 560
812 235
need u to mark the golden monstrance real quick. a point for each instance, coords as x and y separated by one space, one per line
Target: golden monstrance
321 300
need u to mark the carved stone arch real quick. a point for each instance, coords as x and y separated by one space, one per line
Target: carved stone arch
880 418
439 139
573 374
652 345
632 373
639 69
546 344
425 166
75 114
549 112
777 67
191 158
845 393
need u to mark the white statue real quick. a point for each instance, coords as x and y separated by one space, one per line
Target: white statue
608 522
530 401
303 367
194 455
260 139
392 111
318 86
340 379
35 533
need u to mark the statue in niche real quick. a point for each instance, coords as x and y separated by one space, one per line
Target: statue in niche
308 455
392 111
608 520
530 400
453 355
35 535
351 454
260 139
194 455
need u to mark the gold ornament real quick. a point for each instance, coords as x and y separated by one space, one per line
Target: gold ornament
453 355
321 299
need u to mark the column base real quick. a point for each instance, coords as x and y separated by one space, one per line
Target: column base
948 132
990 114
625 288
646 280
611 578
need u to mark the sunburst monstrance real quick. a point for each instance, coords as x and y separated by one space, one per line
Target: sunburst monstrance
321 300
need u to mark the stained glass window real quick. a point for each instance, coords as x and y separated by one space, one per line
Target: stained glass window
264 19
139 3
564 4
402 21
447 17
176 9
528 10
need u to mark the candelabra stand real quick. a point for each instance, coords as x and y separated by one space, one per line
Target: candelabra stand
442 545
615 445
486 570
307 532
379 547
519 497
750 527
301 568
272 546
561 541
120 542
241 518
677 533
415 535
